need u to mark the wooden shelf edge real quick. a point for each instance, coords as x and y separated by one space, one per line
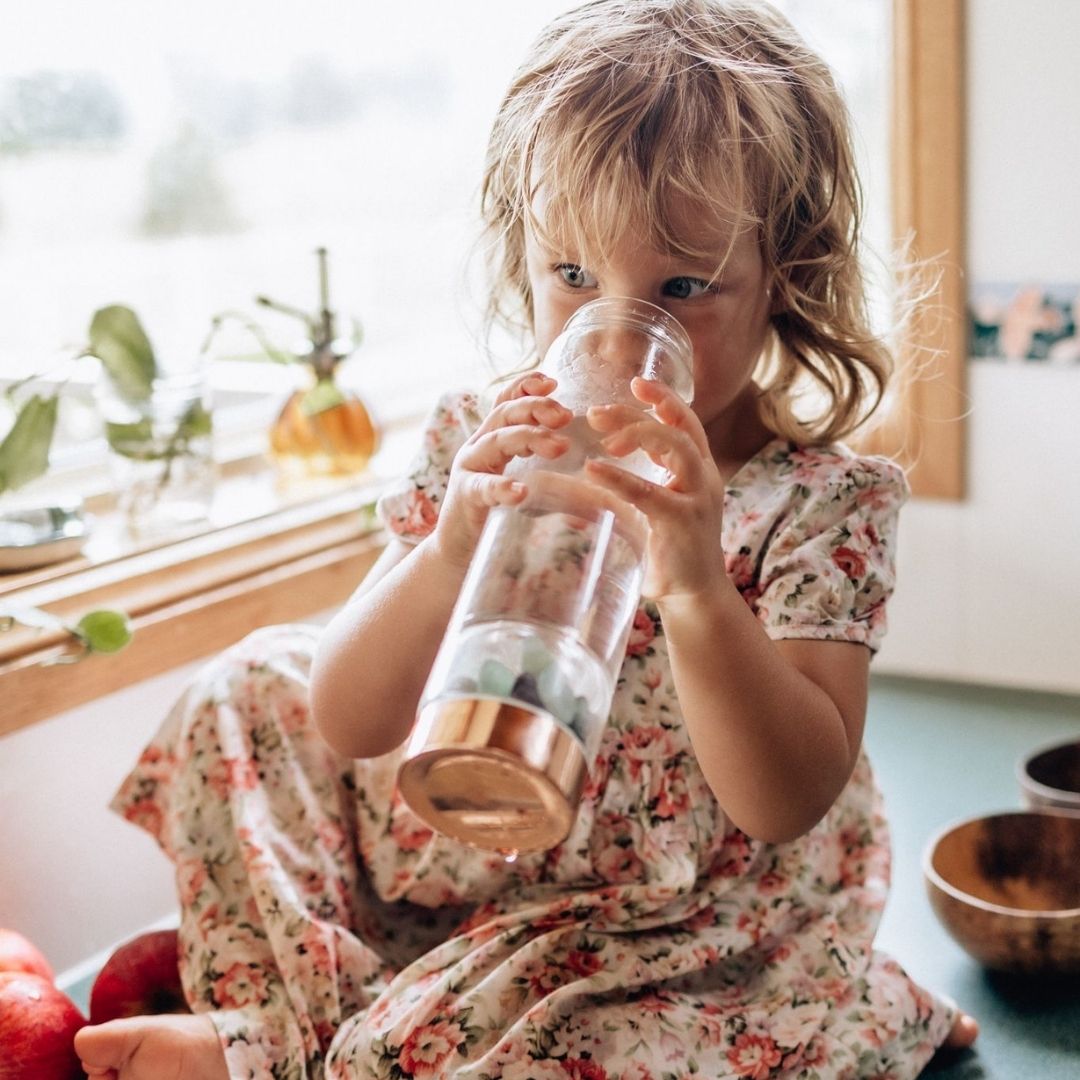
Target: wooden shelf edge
157 579
187 629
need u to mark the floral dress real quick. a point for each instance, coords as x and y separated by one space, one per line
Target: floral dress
329 933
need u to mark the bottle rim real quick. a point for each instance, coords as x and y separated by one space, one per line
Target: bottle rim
641 315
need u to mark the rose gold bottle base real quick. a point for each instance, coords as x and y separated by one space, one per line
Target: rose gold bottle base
493 775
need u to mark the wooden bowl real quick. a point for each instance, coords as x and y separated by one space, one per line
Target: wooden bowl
1050 777
1007 889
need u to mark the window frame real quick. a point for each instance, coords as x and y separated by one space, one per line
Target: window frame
926 428
189 598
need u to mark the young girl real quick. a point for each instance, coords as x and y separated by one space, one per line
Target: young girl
713 909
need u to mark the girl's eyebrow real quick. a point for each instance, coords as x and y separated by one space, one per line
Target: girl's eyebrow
548 252
702 271
699 270
562 252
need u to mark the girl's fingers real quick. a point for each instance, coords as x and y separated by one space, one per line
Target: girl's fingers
534 411
525 402
494 489
651 499
670 409
608 418
670 447
527 385
493 450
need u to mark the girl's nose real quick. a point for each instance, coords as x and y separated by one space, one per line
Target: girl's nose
624 351
615 355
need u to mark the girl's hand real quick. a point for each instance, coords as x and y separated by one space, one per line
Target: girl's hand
685 514
523 421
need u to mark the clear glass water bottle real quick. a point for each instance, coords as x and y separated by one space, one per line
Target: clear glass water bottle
516 702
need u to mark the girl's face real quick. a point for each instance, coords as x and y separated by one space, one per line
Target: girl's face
727 321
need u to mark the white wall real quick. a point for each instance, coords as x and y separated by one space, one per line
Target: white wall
74 877
990 587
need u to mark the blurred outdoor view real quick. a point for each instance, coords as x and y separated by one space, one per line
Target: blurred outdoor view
182 158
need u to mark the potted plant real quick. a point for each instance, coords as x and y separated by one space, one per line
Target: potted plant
157 425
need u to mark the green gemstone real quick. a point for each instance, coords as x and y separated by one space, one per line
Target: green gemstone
556 694
495 678
534 656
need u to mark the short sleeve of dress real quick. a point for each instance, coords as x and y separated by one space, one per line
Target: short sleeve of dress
831 566
409 508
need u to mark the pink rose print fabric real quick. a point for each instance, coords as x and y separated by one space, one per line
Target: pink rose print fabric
328 933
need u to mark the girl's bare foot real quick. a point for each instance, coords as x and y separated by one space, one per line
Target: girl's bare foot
963 1032
165 1047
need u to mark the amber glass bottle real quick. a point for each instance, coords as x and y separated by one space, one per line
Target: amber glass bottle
323 429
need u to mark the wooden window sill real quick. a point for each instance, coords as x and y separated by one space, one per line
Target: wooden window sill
287 557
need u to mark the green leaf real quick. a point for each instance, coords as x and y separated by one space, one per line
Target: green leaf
101 631
196 422
323 396
134 441
12 389
104 631
268 350
311 324
118 340
24 453
138 441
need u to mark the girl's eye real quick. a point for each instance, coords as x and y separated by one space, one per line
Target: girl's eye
575 276
685 288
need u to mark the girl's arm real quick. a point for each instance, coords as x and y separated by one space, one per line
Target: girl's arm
776 726
374 657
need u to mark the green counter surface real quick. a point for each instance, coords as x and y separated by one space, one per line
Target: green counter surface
943 752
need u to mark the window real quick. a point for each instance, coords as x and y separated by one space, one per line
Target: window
855 40
181 163
181 159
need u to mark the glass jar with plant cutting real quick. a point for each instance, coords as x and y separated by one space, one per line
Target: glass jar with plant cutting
157 424
156 420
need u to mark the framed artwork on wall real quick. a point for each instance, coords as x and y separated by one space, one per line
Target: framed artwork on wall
1025 322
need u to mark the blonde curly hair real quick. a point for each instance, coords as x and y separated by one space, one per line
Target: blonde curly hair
623 105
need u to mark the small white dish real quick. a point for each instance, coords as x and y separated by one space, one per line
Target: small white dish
41 536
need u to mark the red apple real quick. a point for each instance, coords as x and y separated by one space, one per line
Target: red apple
19 954
141 978
37 1030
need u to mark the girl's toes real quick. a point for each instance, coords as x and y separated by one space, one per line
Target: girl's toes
102 1048
963 1032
